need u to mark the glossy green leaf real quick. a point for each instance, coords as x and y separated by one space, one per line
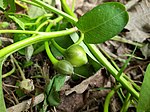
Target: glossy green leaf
103 22
144 99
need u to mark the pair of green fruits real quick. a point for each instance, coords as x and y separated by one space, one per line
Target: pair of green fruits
75 56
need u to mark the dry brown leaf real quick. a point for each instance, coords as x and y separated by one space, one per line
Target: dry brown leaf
25 105
146 50
139 21
96 80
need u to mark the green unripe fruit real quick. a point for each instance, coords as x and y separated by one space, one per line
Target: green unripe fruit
64 67
76 55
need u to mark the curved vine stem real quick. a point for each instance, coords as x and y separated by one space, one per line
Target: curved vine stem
62 50
59 12
11 71
108 98
50 55
26 42
80 39
126 103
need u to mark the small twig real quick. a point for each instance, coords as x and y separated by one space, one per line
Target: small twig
16 100
23 106
7 85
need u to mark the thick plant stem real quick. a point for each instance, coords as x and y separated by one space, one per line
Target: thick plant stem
5 52
50 55
108 98
19 68
59 12
11 71
126 103
26 42
67 8
80 39
20 31
112 70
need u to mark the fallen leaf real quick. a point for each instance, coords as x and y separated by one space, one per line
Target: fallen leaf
146 50
139 22
96 80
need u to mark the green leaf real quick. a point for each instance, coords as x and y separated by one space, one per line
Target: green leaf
53 98
3 4
29 52
20 23
23 18
2 102
103 22
144 99
53 89
35 11
19 92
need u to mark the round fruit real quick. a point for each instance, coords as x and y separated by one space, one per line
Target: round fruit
76 55
64 67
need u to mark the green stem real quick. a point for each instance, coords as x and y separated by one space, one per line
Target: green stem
119 39
67 8
39 19
73 5
126 103
125 65
52 40
80 39
30 2
26 42
11 71
43 24
20 31
108 98
111 69
59 12
109 58
21 5
62 50
20 70
50 55
132 82
118 69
